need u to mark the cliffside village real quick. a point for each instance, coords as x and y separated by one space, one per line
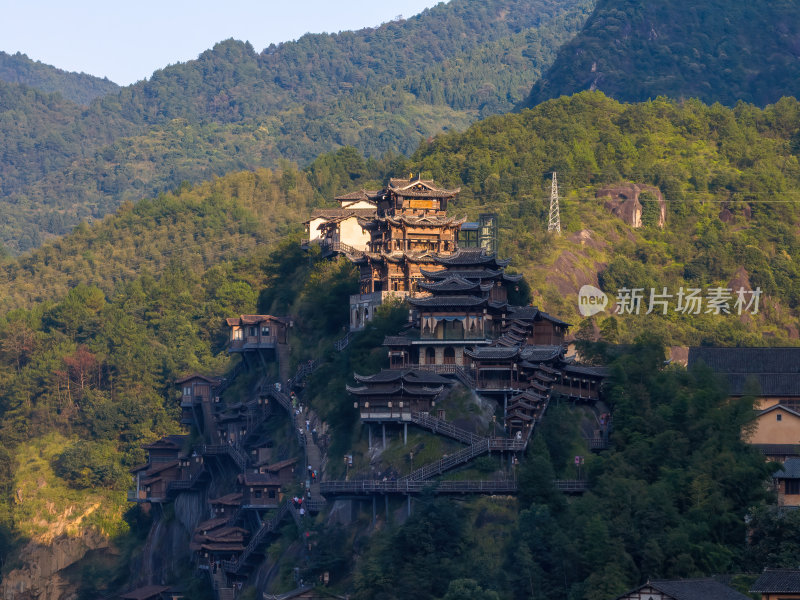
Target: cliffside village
463 330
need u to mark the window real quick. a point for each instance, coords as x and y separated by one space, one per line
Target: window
792 486
237 334
265 330
187 390
779 417
252 332
258 494
272 493
449 356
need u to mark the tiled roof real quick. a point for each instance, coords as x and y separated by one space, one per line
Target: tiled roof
432 220
540 353
748 360
492 353
790 470
447 301
778 449
211 524
168 442
144 593
455 283
775 370
396 340
234 499
476 274
697 589
583 370
334 213
258 479
212 380
406 375
552 319
394 390
357 195
778 581
275 467
472 256
781 407
527 313
253 319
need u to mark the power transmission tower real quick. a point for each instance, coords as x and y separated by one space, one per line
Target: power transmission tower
554 222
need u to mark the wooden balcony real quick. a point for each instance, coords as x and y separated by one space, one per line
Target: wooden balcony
576 393
255 342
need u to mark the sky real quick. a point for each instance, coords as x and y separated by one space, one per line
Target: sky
126 41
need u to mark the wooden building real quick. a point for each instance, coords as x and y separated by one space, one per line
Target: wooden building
168 469
778 584
463 305
257 332
284 470
393 394
339 229
226 505
409 230
787 483
197 394
216 539
684 589
260 490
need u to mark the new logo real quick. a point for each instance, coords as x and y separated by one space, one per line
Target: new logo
591 301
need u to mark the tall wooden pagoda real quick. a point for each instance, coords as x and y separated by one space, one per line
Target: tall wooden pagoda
410 229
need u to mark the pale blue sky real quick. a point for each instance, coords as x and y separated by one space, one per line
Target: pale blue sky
126 41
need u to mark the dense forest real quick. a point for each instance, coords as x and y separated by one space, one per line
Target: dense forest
381 89
718 51
76 87
96 326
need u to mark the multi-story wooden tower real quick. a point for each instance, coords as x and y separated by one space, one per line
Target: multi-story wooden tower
411 228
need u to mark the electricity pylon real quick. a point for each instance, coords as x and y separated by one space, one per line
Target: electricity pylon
554 222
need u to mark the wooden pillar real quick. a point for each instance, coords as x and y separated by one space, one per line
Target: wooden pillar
386 503
409 505
383 430
369 429
405 434
374 514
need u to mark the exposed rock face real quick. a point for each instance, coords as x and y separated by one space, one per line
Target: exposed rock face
38 578
623 202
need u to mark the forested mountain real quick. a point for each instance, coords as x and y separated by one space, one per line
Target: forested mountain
95 327
380 90
717 51
77 87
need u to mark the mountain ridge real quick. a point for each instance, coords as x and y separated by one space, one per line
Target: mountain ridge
720 51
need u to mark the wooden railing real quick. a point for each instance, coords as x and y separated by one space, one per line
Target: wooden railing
460 372
478 448
571 485
444 427
341 247
239 457
597 443
303 371
185 484
367 486
342 343
229 378
268 526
